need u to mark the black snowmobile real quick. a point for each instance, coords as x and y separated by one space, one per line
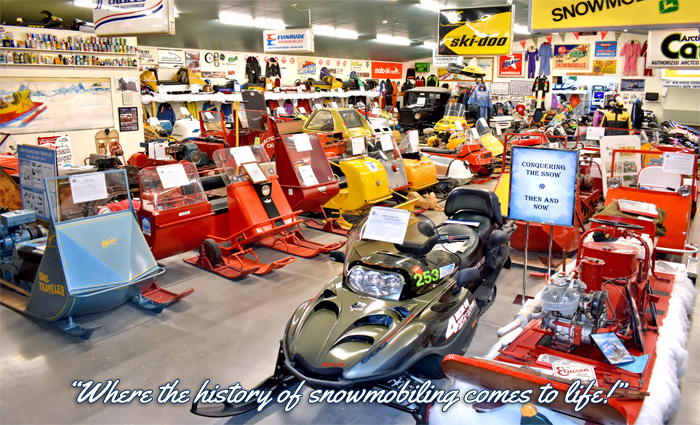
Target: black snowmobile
49 21
398 309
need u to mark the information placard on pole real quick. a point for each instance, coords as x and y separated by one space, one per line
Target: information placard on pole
543 185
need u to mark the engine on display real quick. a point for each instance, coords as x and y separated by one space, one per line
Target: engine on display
570 314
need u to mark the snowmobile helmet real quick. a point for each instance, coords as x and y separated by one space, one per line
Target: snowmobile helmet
619 106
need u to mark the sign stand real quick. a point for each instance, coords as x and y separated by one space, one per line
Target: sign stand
542 190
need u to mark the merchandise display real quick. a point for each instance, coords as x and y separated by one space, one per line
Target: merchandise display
383 210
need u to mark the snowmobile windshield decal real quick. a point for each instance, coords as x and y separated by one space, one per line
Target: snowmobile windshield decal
460 318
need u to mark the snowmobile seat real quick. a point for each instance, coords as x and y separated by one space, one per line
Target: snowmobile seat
476 205
467 253
440 151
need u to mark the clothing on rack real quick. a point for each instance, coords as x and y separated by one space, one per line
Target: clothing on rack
166 113
648 72
394 93
252 69
637 113
389 93
544 54
540 85
208 106
192 107
481 96
531 59
631 52
420 82
432 81
598 117
464 96
272 68
616 118
411 73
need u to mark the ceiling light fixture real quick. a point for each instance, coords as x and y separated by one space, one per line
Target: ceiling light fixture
625 30
430 44
430 5
384 21
334 32
230 18
520 29
400 41
177 14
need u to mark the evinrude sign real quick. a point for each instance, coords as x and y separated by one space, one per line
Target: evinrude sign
475 31
675 49
296 40
581 15
134 17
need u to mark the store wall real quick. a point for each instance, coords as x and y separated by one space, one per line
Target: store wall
82 141
652 84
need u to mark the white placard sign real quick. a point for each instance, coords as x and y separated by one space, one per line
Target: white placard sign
458 126
302 142
443 61
184 112
678 163
376 111
387 144
307 175
301 110
413 139
358 145
173 175
243 155
387 225
595 133
420 101
88 187
334 105
156 150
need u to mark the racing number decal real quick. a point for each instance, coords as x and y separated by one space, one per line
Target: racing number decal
427 277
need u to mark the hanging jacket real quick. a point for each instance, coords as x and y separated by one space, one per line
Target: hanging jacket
541 83
166 113
227 110
272 68
616 119
389 87
411 73
432 81
289 107
252 69
192 107
637 114
394 92
407 85
598 117
208 106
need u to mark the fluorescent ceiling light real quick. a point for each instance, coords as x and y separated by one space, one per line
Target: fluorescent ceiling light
230 18
430 5
429 44
520 29
334 32
84 3
177 14
401 41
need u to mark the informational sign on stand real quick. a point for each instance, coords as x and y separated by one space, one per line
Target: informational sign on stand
35 164
679 163
610 143
543 185
88 187
64 156
387 225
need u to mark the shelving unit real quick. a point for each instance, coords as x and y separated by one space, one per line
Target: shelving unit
24 49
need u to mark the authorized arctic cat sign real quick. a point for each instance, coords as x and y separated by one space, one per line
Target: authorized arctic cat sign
297 40
676 49
580 15
475 31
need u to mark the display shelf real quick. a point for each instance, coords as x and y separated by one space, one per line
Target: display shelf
67 66
220 97
67 51
570 91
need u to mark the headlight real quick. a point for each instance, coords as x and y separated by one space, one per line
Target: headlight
265 190
684 191
417 115
613 183
375 284
395 115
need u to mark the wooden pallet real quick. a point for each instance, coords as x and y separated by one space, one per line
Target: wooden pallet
13 296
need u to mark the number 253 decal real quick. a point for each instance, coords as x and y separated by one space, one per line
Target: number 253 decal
427 277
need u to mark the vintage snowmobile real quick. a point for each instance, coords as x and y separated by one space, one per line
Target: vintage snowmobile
398 307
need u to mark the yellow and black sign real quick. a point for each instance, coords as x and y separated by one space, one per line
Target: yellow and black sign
475 31
578 15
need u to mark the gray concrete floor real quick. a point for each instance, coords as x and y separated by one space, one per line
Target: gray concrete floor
227 331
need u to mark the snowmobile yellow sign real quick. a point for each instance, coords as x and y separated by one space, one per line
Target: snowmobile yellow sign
475 31
581 15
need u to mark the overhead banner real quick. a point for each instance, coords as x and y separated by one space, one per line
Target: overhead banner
543 185
580 15
134 17
572 56
510 65
475 31
299 40
384 70
675 49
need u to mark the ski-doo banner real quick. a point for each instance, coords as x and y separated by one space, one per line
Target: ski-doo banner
299 40
581 15
543 185
134 17
475 31
674 49
384 70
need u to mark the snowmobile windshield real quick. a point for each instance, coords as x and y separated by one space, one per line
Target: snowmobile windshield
351 118
155 196
396 254
455 109
244 163
482 128
306 154
653 170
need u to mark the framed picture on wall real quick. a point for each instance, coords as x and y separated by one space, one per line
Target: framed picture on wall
510 65
485 63
128 119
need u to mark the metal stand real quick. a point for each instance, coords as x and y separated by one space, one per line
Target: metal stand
527 237
549 261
